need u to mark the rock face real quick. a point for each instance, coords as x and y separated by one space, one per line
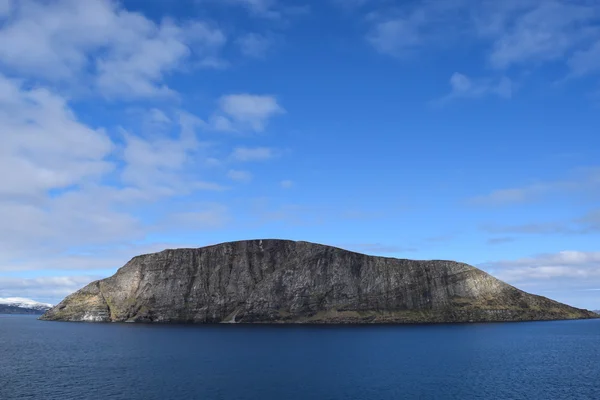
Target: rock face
280 281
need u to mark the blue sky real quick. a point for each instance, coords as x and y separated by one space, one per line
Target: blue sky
438 129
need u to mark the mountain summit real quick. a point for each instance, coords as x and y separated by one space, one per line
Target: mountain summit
20 305
281 281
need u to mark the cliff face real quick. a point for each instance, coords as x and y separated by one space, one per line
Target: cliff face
286 281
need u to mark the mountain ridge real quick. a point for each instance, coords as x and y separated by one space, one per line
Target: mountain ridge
20 305
24 303
284 281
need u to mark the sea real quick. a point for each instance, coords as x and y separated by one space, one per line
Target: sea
531 360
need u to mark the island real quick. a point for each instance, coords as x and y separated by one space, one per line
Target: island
283 281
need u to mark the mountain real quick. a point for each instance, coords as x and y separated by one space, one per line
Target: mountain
281 281
19 305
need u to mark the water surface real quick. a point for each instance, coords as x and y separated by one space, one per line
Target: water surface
536 360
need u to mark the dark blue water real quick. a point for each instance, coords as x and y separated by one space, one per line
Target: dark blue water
540 360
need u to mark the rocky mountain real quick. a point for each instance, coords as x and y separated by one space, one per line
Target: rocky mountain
19 305
280 281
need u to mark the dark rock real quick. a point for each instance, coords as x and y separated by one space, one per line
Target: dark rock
280 281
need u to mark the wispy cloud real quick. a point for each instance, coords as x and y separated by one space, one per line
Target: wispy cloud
196 217
589 223
564 264
255 45
5 7
274 10
463 87
246 112
400 31
262 8
44 144
584 180
513 195
122 53
286 184
239 175
74 186
538 31
516 34
46 289
500 240
245 154
587 61
350 4
567 276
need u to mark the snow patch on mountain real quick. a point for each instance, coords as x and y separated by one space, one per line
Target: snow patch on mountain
25 303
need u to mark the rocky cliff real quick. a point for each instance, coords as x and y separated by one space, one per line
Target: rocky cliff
279 281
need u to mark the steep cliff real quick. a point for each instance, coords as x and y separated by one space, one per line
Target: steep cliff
287 281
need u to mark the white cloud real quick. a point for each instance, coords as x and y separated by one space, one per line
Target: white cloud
269 9
102 256
239 176
5 7
500 240
57 198
531 228
566 276
350 4
123 53
43 144
589 223
259 7
252 153
394 37
163 165
49 289
246 112
586 61
254 44
401 30
159 116
96 263
585 180
545 31
222 123
80 196
196 217
564 264
286 184
512 195
521 34
465 87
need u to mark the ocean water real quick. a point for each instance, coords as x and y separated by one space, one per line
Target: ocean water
535 360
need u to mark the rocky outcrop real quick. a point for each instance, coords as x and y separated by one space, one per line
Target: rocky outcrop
280 281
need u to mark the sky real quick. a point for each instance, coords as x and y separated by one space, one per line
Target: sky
437 129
